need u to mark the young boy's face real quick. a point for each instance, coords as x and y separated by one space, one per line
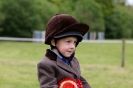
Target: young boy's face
66 46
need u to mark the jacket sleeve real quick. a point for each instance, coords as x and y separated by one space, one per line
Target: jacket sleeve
46 76
85 83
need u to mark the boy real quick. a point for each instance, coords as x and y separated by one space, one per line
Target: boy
59 68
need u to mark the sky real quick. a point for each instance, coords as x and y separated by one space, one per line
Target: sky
130 2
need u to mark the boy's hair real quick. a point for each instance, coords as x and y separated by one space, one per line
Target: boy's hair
62 25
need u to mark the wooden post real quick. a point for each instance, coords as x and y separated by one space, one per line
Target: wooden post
123 53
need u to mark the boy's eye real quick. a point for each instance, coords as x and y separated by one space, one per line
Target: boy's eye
74 42
68 41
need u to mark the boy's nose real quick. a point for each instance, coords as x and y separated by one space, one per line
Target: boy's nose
73 45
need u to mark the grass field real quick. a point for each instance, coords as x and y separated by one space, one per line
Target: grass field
100 64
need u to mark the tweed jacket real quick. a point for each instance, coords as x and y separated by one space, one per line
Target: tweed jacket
51 70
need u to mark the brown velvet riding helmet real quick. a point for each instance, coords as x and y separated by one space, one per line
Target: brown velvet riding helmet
63 25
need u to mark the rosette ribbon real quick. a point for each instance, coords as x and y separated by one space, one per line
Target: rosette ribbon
70 83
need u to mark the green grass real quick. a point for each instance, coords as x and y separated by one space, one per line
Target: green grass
100 64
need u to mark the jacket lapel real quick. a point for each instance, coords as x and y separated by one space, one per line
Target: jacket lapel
73 68
66 67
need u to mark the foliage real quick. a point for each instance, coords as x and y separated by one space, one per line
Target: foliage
90 12
119 24
1 17
19 18
22 17
107 6
45 9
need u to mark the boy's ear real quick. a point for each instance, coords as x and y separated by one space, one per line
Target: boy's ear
53 42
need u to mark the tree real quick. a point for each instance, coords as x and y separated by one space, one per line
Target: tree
19 18
119 24
88 11
22 17
107 6
1 17
45 9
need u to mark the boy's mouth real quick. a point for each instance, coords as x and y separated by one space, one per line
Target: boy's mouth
70 52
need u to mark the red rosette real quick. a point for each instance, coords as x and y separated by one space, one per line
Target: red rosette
79 83
70 83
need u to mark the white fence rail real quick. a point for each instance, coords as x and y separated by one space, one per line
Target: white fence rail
42 40
21 39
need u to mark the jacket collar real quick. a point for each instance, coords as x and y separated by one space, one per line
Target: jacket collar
61 57
71 68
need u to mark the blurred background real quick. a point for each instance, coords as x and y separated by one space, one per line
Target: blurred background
108 19
105 55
